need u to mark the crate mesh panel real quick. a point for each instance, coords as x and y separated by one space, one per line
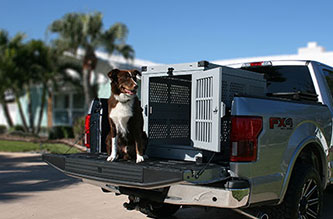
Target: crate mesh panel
179 94
225 89
169 118
235 88
158 93
158 129
179 129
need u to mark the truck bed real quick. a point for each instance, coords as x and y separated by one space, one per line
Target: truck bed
153 173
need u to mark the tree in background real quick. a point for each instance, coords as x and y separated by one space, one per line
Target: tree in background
24 65
9 49
52 67
85 31
27 65
45 67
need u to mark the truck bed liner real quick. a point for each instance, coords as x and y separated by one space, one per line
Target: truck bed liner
152 173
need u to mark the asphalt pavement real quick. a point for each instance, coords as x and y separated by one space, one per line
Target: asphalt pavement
29 188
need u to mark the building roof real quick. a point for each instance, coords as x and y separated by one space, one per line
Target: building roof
311 52
119 61
106 62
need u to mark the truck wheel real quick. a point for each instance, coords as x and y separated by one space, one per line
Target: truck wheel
160 210
304 197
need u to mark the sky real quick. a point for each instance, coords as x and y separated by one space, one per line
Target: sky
178 31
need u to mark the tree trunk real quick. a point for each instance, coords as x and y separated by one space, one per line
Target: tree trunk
49 109
89 64
24 121
30 111
86 86
40 117
6 111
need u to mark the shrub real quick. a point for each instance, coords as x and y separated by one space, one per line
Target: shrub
22 134
78 127
18 128
58 132
3 129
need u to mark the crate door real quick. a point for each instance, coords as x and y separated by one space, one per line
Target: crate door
206 107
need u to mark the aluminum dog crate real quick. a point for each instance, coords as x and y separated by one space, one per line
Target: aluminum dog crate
184 105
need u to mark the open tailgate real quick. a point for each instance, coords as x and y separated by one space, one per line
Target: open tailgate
147 175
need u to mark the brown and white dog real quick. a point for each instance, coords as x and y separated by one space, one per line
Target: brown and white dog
126 137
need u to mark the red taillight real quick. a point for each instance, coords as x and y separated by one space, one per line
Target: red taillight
244 138
254 64
87 132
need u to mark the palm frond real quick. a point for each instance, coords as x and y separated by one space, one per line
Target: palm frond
17 39
4 38
115 35
119 30
70 31
94 27
126 51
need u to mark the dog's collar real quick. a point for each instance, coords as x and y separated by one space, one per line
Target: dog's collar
126 101
122 98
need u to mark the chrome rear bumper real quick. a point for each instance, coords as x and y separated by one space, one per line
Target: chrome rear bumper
207 196
187 194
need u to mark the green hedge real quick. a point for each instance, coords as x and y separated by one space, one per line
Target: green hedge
3 129
78 127
15 128
59 132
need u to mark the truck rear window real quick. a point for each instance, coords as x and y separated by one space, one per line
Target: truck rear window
285 79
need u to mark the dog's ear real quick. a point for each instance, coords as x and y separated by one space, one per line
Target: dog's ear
136 73
113 75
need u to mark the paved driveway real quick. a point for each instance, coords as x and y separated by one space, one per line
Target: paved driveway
31 189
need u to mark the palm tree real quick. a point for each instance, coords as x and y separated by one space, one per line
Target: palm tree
42 66
52 70
85 31
9 49
25 65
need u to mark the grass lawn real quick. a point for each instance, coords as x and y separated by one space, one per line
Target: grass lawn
20 146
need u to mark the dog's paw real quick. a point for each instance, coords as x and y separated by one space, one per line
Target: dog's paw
111 158
139 158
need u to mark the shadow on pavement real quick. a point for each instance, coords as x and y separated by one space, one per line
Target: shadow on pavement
27 174
21 176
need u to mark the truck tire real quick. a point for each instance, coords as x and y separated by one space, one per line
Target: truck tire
160 210
304 197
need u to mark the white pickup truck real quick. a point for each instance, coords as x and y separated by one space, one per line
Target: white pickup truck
254 135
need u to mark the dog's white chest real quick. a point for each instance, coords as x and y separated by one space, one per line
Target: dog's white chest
121 114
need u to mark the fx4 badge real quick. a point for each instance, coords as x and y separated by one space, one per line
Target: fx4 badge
282 123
